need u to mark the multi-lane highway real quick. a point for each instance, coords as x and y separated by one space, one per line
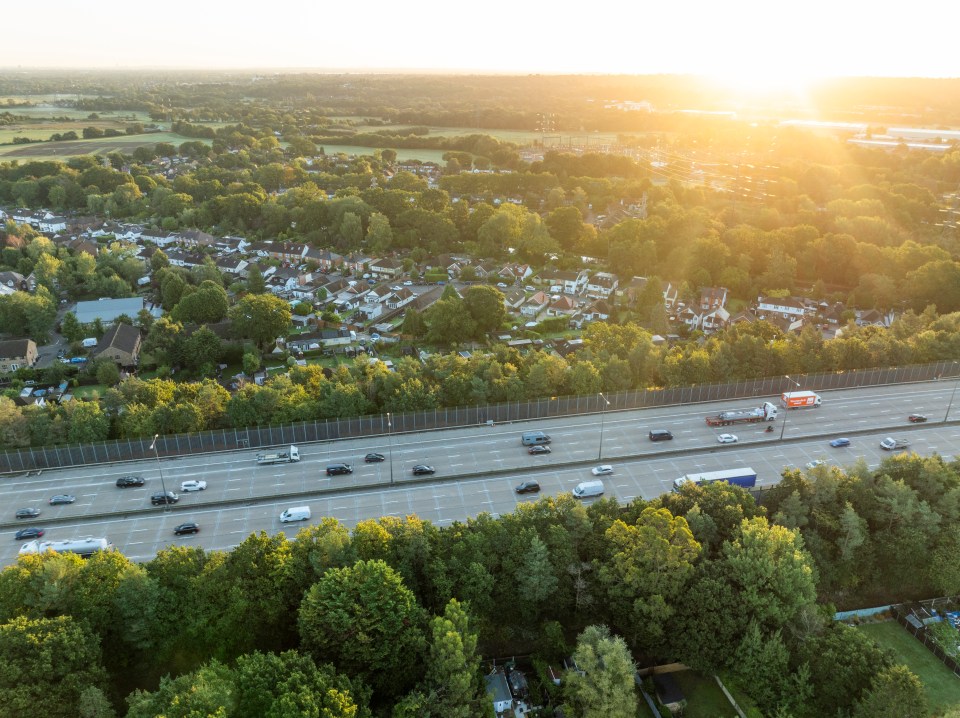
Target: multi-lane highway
477 468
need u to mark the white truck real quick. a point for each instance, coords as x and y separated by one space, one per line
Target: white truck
84 547
280 457
799 399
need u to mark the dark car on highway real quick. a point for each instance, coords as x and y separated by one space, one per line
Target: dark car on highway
125 481
540 449
373 458
916 418
190 527
336 469
62 499
31 533
837 443
421 469
28 513
161 498
528 487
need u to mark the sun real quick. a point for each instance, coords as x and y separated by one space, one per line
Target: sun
765 82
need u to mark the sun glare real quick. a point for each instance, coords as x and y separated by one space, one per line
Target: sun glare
758 83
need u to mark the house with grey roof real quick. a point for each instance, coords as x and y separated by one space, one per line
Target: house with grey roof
120 344
107 310
17 354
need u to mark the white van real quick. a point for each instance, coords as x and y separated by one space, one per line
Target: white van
296 513
587 489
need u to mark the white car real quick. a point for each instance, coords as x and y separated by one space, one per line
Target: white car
815 463
395 289
728 439
602 470
193 485
408 283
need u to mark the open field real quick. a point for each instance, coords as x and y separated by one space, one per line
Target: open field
101 146
942 687
518 137
402 154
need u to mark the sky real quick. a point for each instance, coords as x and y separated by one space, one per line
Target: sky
750 43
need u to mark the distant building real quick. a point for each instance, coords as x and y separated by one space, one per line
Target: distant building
120 344
107 310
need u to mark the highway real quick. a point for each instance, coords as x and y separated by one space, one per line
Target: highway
477 468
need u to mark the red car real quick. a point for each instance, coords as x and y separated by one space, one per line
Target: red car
917 418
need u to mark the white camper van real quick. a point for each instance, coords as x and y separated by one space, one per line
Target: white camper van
588 489
295 513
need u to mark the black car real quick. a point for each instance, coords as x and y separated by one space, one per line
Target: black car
373 458
30 533
528 487
125 481
916 418
161 498
28 513
62 499
335 469
188 528
421 469
539 449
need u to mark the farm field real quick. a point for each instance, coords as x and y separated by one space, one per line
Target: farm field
402 154
942 687
518 137
101 146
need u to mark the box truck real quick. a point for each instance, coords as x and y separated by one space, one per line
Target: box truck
798 399
587 489
745 477
764 412
280 457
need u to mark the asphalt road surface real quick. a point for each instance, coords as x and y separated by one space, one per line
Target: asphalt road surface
477 469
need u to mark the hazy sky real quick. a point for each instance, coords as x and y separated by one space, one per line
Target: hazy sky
749 41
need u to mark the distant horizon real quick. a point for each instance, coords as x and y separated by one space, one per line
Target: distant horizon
751 45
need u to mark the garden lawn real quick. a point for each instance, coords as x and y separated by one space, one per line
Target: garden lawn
704 697
95 391
942 687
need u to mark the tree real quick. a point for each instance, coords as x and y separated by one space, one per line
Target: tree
261 317
202 349
255 283
605 688
448 322
46 665
452 685
107 372
366 621
70 328
250 363
895 693
208 304
485 306
413 324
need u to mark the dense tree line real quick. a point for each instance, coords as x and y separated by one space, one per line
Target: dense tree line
392 617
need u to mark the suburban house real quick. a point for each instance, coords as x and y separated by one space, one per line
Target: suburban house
670 294
286 251
515 272
182 258
499 691
598 310
513 299
400 299
196 238
562 307
787 307
52 224
325 259
714 319
283 279
535 305
567 282
357 263
17 354
236 266
159 237
602 284
14 281
712 298
872 318
386 268
121 344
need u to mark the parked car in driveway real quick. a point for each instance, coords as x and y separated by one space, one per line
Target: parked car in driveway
190 527
842 441
192 485
916 418
125 481
31 533
27 513
602 470
528 487
61 499
421 469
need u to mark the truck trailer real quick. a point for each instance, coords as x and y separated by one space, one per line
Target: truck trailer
83 547
745 477
798 399
280 457
764 412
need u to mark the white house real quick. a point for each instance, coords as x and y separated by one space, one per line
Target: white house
566 282
602 284
788 306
